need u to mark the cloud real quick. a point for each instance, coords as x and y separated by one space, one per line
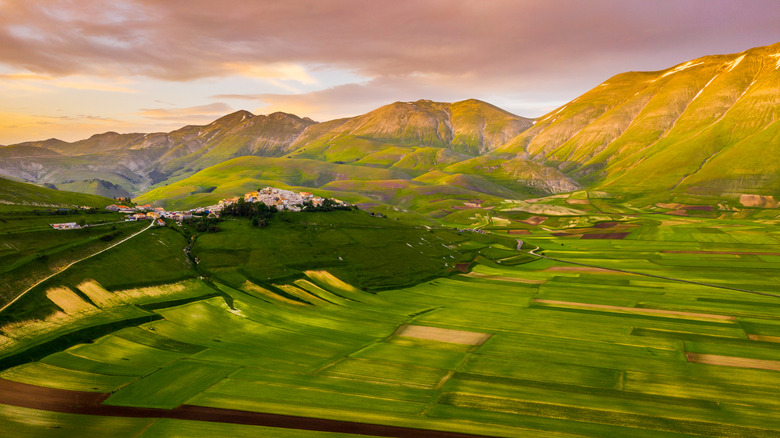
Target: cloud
271 71
35 81
344 57
178 40
357 98
191 114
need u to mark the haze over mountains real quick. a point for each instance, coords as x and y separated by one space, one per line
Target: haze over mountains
707 127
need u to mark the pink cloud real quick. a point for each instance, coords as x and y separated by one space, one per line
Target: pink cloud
180 40
203 113
531 54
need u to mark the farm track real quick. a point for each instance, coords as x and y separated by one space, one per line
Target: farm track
90 403
73 263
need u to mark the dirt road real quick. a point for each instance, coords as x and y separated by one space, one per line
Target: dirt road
73 263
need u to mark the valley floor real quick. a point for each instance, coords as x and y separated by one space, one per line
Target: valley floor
545 348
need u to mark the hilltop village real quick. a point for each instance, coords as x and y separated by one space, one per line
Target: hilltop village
270 196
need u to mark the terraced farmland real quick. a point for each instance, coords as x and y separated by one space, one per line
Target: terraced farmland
544 348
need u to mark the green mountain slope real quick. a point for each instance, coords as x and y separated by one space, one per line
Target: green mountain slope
240 175
98 187
704 128
137 161
470 127
18 193
235 135
699 127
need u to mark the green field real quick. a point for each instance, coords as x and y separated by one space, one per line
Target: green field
306 317
31 250
370 252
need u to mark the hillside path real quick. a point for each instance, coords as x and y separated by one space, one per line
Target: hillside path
73 263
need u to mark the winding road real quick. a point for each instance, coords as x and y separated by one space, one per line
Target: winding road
73 263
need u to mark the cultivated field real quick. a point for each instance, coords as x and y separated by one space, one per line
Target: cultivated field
612 346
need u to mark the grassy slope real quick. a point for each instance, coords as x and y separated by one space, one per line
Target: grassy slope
14 192
32 250
97 187
369 251
694 128
240 175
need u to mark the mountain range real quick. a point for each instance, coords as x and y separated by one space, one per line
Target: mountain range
707 128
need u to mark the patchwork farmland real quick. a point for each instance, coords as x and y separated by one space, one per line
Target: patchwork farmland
613 344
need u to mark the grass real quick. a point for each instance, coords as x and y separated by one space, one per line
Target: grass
369 252
31 250
42 374
22 194
331 349
153 257
24 422
170 386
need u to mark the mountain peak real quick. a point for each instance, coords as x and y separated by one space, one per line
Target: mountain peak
233 118
679 128
470 127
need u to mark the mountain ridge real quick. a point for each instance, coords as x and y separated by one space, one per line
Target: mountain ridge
697 128
666 125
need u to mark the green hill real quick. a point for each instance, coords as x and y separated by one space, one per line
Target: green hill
240 175
469 127
134 162
97 187
374 158
14 193
700 130
701 127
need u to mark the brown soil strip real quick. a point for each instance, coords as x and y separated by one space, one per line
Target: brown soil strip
671 251
585 269
462 267
757 201
640 310
88 403
578 201
699 207
732 361
442 335
765 338
502 278
605 225
605 236
669 222
518 232
534 220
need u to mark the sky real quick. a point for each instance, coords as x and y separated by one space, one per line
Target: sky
73 68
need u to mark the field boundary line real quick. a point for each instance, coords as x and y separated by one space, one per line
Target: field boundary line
73 263
635 310
653 275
